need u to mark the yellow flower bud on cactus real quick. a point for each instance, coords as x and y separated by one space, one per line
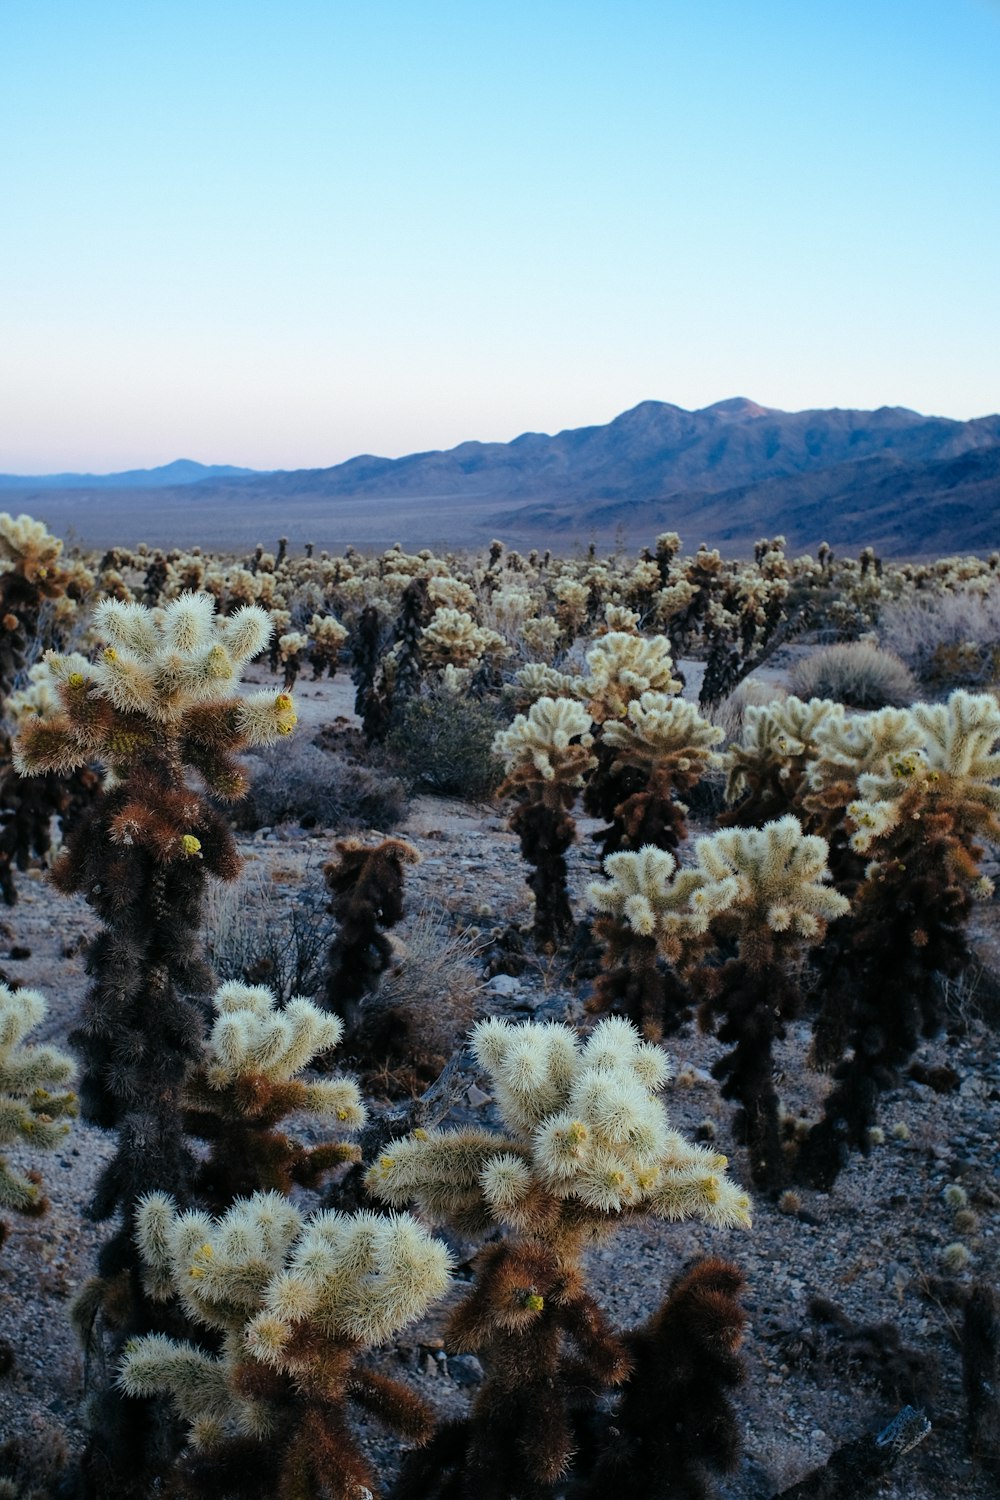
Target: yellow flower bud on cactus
191 846
534 1303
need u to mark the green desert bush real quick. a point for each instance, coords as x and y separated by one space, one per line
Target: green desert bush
443 742
857 674
321 789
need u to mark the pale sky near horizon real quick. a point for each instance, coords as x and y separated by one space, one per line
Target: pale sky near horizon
283 234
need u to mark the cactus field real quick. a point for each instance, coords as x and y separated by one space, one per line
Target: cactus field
498 1025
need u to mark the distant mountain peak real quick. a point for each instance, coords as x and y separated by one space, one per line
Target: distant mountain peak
738 406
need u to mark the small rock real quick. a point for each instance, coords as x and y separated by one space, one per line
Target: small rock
465 1370
503 984
476 1097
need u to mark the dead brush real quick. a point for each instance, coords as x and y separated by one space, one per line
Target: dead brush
423 1005
260 937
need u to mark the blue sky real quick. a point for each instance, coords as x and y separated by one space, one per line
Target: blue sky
283 234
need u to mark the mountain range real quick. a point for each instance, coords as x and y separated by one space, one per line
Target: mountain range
902 482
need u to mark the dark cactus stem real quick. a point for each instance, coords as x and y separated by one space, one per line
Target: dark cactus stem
549 1351
907 928
635 983
755 1002
639 804
415 612
365 651
675 1425
546 829
366 884
981 1372
139 1034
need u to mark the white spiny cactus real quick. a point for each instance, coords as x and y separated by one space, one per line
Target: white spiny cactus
773 875
586 1139
30 1113
253 1037
621 667
956 759
656 727
264 1275
864 744
777 736
541 739
646 892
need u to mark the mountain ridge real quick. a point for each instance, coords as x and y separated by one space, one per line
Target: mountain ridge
891 477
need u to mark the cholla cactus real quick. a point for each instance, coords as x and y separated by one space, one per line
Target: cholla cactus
156 710
326 638
453 638
541 636
291 1302
292 649
572 606
845 749
538 680
651 936
246 1083
586 1146
156 692
918 818
619 617
956 764
685 1361
28 804
767 771
766 890
547 754
30 573
366 883
648 761
621 667
30 1112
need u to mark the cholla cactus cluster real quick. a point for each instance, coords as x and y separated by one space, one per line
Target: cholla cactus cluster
454 639
651 938
768 882
32 1111
547 754
586 1146
648 761
766 771
550 744
246 1083
921 810
955 762
30 574
293 1300
326 641
586 1142
156 709
158 689
621 667
292 648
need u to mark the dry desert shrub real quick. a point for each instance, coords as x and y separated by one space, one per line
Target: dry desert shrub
423 1006
320 789
947 639
729 714
857 674
252 935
